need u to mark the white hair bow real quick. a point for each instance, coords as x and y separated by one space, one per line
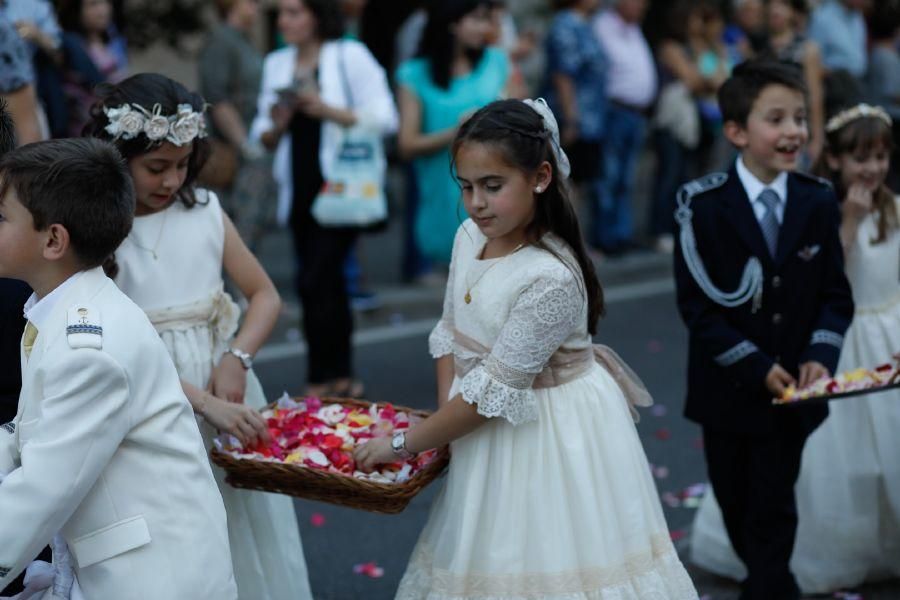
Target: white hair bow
562 161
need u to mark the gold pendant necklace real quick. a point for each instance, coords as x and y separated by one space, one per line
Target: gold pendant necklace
469 288
152 250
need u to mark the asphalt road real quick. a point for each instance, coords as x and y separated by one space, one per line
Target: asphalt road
392 359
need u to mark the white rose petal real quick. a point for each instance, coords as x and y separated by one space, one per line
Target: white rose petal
318 458
331 414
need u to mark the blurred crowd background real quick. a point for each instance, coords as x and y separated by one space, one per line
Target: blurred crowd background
632 82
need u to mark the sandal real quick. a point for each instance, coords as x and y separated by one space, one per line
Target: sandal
353 389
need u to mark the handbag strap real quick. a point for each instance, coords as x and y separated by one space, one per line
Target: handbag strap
345 81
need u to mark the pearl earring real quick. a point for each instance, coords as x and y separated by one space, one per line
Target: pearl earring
538 189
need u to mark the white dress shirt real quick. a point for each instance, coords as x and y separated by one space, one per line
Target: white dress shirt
38 309
754 187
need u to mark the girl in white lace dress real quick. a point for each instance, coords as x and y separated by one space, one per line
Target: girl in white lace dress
171 265
848 493
549 494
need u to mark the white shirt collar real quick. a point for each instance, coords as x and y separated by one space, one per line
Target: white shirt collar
38 310
754 187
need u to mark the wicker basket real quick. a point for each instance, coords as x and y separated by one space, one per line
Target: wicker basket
334 488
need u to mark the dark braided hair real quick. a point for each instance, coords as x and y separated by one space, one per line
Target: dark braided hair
518 131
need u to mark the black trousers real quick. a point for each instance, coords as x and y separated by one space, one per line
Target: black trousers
753 478
322 289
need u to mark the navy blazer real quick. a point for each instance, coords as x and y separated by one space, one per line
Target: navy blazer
13 295
805 310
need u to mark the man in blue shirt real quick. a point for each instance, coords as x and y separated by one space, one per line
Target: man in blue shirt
839 28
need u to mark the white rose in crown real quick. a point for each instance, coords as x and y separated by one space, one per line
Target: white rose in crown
130 120
156 128
124 122
131 124
185 129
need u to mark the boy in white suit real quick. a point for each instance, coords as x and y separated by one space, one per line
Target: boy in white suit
104 447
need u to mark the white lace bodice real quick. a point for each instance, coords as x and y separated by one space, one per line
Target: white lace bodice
525 308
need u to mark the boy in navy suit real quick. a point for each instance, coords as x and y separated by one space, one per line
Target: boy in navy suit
760 278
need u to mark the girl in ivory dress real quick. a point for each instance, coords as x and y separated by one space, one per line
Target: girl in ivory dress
848 493
171 265
549 494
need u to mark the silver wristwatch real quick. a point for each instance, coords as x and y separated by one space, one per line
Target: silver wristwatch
398 445
245 358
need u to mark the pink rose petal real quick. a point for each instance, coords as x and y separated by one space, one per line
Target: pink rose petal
369 569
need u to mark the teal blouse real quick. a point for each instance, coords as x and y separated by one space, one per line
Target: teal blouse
440 207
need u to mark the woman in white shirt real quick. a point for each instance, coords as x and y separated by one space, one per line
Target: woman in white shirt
317 85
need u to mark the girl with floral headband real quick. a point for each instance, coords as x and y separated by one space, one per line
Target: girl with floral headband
171 265
850 478
848 492
549 494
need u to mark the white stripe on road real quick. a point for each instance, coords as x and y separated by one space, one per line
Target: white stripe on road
400 331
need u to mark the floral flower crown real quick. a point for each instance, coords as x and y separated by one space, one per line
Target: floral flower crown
130 120
857 112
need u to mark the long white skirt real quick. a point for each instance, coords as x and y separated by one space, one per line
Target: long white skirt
563 508
262 528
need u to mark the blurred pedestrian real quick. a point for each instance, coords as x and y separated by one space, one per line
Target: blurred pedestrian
693 64
36 22
576 90
94 53
745 35
17 85
631 89
454 74
518 46
239 169
839 28
311 90
883 75
785 41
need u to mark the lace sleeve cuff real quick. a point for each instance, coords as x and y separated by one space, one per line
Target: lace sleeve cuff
440 342
494 398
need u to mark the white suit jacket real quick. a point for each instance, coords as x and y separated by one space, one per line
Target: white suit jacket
373 104
105 450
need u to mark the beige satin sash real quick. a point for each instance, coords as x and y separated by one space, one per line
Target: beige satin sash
218 310
565 366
